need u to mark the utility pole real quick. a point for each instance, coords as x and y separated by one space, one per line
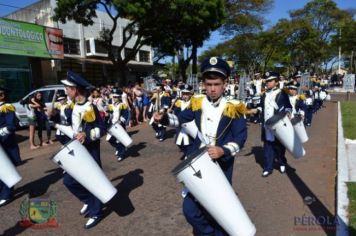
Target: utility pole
339 52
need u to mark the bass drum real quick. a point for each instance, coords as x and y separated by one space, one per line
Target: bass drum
207 182
282 128
8 173
75 159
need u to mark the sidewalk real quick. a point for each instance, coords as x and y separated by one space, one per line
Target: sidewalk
302 201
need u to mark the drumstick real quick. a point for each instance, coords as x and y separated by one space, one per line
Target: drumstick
52 104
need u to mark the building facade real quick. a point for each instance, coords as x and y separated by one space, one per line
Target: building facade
83 53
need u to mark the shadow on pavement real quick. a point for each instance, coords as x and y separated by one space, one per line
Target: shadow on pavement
132 132
39 186
25 161
133 151
14 230
170 133
321 215
20 138
121 203
257 151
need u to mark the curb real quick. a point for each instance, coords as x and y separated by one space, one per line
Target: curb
342 178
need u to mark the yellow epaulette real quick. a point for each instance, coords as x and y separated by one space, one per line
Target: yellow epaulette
58 106
123 106
70 105
234 109
196 103
7 107
110 107
89 116
301 97
154 96
263 92
178 103
165 94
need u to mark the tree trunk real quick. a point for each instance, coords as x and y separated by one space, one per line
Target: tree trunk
120 70
195 58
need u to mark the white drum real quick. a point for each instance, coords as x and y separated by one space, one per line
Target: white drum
190 128
308 101
65 129
282 128
75 159
322 95
120 134
299 129
208 184
8 172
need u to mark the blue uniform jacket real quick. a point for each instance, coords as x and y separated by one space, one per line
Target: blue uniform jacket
90 121
231 129
8 139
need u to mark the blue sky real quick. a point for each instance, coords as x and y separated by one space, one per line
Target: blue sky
279 10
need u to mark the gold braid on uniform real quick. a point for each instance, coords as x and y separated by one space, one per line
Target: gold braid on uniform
233 110
301 97
178 103
110 108
89 116
7 108
196 103
123 106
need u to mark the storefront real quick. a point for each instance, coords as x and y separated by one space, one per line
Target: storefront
23 47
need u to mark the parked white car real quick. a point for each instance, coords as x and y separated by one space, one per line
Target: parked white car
47 93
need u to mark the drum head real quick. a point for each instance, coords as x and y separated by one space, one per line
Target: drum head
64 146
274 119
190 159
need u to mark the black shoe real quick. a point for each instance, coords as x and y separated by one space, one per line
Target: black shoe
93 221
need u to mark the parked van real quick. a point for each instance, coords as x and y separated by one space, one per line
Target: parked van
47 93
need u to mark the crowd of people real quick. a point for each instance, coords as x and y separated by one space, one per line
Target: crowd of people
211 117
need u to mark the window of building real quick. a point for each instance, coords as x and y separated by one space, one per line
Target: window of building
144 56
128 51
71 46
100 47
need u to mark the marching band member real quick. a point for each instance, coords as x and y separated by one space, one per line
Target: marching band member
59 116
274 100
257 84
120 113
297 101
161 100
309 107
8 141
183 140
88 127
222 128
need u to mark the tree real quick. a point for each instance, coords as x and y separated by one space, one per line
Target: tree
83 11
164 24
323 20
185 25
245 16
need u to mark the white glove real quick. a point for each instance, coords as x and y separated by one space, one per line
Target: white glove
4 131
95 134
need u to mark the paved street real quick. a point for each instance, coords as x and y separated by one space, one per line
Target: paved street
149 201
